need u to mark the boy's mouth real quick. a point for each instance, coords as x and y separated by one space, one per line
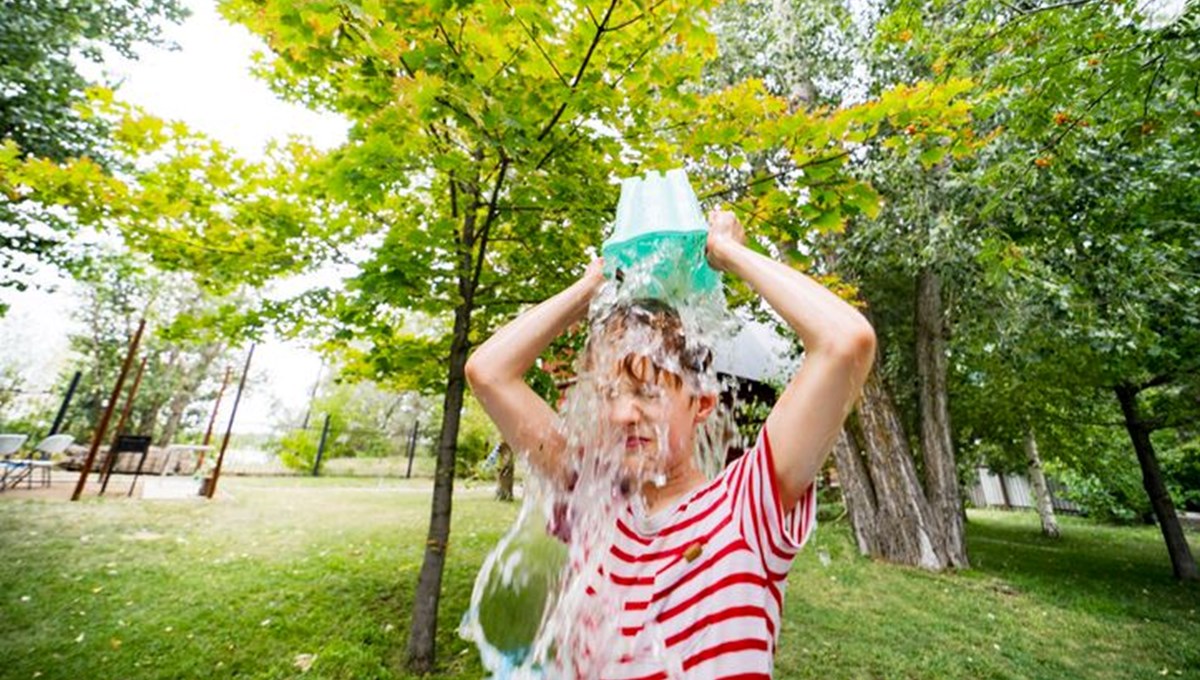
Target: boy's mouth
636 442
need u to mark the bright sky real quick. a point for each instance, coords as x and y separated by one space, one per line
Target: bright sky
207 84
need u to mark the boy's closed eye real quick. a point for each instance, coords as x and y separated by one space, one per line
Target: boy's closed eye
643 391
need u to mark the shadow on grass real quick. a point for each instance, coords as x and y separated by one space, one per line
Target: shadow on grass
1120 571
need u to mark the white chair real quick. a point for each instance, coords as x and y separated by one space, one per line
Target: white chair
9 444
48 447
17 469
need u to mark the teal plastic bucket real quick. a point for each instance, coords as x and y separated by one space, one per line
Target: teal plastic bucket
659 237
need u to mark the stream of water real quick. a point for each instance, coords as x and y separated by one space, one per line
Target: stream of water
541 607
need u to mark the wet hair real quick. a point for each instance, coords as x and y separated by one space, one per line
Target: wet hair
664 323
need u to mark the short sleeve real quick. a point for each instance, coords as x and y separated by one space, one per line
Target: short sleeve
774 532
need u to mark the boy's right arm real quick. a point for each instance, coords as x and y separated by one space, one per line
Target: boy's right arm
496 371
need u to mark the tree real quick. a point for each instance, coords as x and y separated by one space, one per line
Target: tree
821 54
43 106
366 421
460 140
479 170
119 289
1098 193
1027 59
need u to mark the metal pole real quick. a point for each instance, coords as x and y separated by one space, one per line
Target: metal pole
212 484
102 428
412 447
321 447
120 429
62 410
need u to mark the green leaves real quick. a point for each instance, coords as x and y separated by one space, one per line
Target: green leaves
42 86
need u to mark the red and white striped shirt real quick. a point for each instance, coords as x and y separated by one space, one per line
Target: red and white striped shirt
699 588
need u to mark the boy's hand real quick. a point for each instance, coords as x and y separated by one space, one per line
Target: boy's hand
592 280
594 274
724 233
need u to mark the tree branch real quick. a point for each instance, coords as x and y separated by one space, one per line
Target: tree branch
1162 60
528 31
774 175
1077 120
509 62
567 141
1025 14
449 42
1156 381
637 60
488 222
1057 5
600 31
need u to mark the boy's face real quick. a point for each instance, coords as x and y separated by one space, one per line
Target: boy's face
652 415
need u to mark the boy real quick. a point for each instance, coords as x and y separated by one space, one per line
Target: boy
691 584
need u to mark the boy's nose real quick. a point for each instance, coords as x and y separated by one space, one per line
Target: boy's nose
624 411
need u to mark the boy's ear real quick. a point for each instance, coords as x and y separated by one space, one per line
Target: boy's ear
707 402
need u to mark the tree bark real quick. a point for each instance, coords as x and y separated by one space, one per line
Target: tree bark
1041 490
505 465
186 392
937 444
472 251
166 381
857 492
1182 562
902 529
422 634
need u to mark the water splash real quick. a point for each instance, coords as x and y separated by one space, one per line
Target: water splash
541 606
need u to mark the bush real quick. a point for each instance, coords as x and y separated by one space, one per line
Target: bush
1181 468
1115 495
476 437
829 512
297 449
829 503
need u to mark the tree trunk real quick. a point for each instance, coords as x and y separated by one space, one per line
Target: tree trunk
167 378
504 473
175 410
423 631
1164 510
186 393
1041 490
857 492
901 529
937 445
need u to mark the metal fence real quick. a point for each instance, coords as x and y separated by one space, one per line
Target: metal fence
995 490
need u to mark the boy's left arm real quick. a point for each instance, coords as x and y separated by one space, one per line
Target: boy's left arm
839 347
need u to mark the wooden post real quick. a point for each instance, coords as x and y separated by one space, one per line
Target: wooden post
212 419
62 410
120 429
212 484
102 428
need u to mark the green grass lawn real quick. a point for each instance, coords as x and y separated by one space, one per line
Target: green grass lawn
242 586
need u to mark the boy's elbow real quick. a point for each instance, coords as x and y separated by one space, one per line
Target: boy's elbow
864 342
476 373
857 345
